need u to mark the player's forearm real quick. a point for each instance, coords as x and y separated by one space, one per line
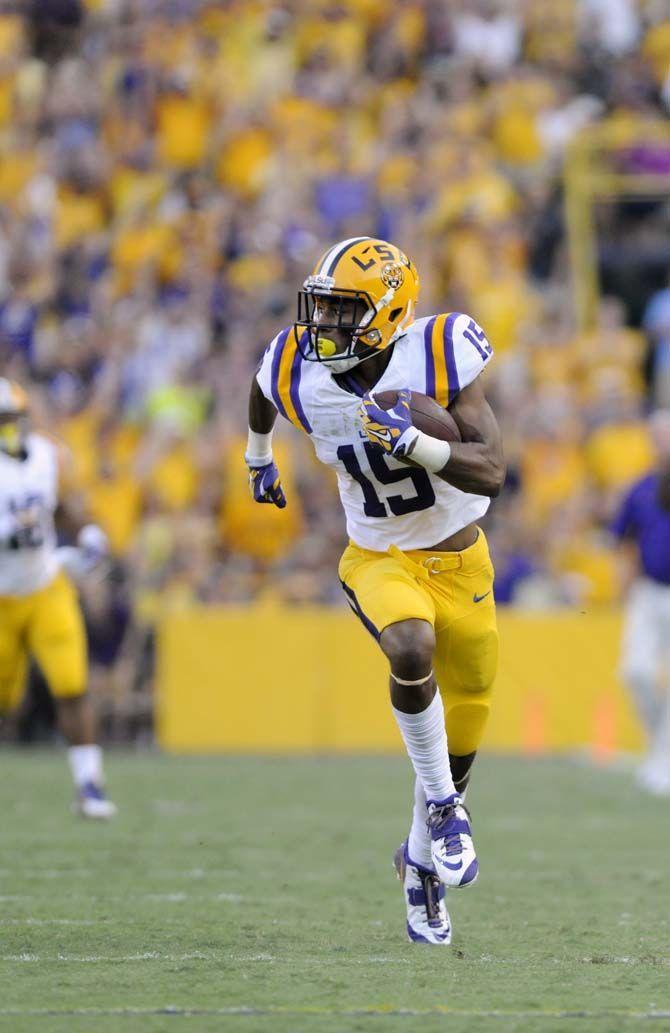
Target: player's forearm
262 413
474 467
476 463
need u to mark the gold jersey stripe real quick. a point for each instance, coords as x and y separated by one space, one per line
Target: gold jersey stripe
440 361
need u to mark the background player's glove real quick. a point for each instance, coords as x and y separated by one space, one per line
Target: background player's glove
390 429
94 544
91 549
265 484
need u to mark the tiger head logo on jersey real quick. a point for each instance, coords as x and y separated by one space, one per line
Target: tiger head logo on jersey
360 297
13 417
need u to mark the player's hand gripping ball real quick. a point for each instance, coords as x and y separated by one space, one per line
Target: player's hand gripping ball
390 429
265 485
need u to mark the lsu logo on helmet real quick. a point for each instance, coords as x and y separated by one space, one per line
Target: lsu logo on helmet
392 275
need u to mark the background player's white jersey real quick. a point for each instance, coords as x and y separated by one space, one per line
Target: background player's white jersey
385 501
28 499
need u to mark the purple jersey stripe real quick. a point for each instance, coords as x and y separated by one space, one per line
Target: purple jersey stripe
274 372
296 372
430 361
355 605
452 371
352 384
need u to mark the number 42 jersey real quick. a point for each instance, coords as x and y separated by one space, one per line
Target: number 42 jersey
385 501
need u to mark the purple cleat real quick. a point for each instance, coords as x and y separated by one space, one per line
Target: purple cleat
92 803
452 848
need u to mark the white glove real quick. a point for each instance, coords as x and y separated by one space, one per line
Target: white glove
91 549
93 541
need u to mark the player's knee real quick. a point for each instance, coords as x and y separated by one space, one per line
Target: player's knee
409 647
70 697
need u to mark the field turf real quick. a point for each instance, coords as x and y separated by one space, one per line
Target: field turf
257 895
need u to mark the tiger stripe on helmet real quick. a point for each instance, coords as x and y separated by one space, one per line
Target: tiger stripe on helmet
332 257
442 382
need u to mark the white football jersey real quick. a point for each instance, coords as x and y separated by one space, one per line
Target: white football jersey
385 501
28 500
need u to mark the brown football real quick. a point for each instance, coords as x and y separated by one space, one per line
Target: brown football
427 415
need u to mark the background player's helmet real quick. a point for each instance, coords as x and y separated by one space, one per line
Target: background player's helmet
360 297
13 417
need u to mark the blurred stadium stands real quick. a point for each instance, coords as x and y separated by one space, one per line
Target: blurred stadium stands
170 171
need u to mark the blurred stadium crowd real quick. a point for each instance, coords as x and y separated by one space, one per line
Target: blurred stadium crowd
171 170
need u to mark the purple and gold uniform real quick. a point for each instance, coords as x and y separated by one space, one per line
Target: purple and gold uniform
395 512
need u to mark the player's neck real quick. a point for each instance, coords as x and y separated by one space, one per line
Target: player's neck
367 373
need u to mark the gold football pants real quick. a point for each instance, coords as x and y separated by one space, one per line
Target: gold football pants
453 591
47 625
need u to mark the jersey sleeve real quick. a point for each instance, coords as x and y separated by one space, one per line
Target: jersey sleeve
279 377
264 370
472 351
456 350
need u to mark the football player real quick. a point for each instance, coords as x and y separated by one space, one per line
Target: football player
39 610
642 528
417 570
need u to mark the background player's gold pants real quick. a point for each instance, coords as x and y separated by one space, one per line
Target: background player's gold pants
453 591
49 626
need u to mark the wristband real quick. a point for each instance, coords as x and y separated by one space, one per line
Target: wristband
259 449
431 453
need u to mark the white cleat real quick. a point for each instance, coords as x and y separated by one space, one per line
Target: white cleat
654 776
427 916
92 803
451 845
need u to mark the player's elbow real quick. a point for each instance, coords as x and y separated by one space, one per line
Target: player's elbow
495 478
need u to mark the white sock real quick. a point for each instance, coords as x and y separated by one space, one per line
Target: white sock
660 737
426 743
647 702
86 764
418 843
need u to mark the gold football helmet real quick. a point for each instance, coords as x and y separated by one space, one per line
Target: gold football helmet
360 297
13 417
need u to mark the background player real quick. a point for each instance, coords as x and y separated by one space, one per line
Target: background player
417 570
642 525
39 610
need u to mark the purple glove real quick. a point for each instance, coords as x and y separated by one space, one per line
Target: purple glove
390 429
265 485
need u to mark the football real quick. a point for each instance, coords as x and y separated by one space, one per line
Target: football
427 415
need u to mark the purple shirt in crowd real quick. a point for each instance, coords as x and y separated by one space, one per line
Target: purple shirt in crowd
642 519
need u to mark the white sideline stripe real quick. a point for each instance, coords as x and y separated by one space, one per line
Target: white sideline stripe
48 921
88 873
176 897
86 958
267 958
49 873
192 956
172 898
171 1009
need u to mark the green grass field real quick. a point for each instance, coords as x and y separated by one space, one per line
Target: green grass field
257 895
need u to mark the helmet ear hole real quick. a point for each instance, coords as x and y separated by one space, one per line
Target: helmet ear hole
393 315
